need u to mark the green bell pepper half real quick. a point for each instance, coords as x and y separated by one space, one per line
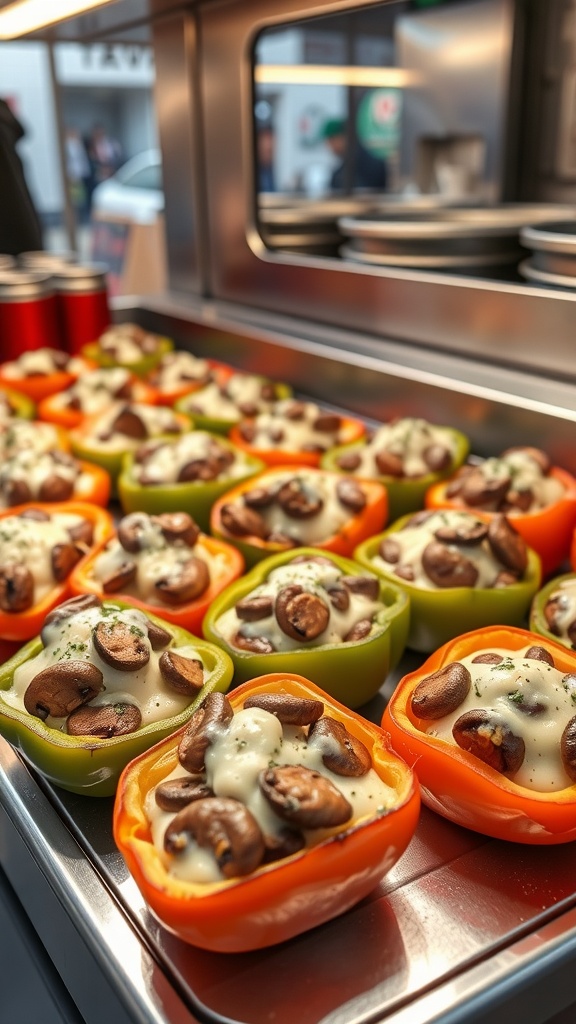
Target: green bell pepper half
405 494
86 764
439 615
24 408
538 622
350 672
217 424
141 367
193 496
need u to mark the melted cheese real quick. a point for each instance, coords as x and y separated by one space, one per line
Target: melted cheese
72 639
94 391
35 467
212 401
565 598
413 539
31 435
39 362
297 435
30 542
164 465
179 368
314 578
157 419
408 439
503 689
526 475
123 342
253 742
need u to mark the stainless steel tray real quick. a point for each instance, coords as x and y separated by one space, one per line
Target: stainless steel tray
464 929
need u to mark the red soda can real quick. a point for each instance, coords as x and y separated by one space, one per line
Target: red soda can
82 303
28 313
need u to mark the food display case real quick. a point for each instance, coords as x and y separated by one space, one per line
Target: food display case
464 928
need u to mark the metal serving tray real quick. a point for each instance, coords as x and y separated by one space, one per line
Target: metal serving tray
463 929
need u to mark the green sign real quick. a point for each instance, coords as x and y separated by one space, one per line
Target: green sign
378 120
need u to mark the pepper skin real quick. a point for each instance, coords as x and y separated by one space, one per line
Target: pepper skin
459 785
86 764
548 532
189 615
405 494
22 406
350 672
195 496
438 615
357 527
20 626
289 896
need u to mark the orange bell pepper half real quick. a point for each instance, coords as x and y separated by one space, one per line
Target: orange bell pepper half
286 897
456 783
19 626
548 531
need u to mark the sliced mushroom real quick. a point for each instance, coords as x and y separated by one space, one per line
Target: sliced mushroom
56 488
487 658
82 533
447 567
178 527
349 461
359 631
300 614
185 675
351 494
440 693
242 521
223 825
104 720
157 635
121 645
388 464
462 531
259 497
327 423
215 711
390 550
131 531
552 611
299 499
507 544
365 586
61 688
255 644
73 606
304 797
38 515
339 596
130 424
479 491
16 587
540 654
489 740
437 457
198 469
288 709
121 577
16 492
63 559
186 583
342 753
174 794
568 749
282 844
251 609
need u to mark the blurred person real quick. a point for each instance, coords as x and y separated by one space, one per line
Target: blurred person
265 151
368 171
20 228
104 153
78 171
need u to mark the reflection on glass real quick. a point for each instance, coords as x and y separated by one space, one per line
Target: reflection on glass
375 109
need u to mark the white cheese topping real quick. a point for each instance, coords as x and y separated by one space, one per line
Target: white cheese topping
157 419
408 439
254 741
158 559
166 463
525 474
274 430
31 435
179 368
412 540
312 530
128 343
40 362
71 639
222 401
508 690
564 598
31 541
34 468
314 577
94 391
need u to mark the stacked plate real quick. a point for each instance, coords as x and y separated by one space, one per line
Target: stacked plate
461 239
553 253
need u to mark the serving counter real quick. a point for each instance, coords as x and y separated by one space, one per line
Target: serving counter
464 928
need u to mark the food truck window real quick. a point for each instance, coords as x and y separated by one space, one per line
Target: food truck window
393 104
